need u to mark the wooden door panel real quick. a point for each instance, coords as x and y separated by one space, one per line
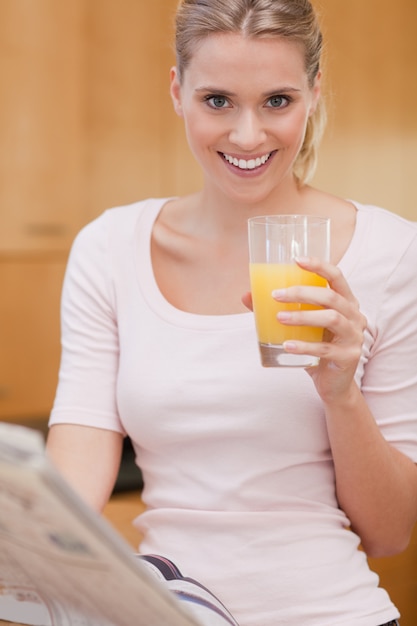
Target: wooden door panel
29 336
41 123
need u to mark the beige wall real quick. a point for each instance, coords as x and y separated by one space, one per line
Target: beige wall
370 149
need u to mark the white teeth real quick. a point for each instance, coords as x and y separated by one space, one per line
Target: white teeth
242 164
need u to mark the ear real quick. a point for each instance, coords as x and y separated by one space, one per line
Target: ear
316 92
175 91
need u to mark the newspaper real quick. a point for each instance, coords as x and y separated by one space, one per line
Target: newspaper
61 564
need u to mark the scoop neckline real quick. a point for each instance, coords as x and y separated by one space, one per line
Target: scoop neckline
165 310
154 297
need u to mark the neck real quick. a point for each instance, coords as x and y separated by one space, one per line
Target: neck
216 214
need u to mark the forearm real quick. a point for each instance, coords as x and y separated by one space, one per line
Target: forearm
88 459
376 484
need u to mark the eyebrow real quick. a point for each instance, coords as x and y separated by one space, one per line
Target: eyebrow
226 92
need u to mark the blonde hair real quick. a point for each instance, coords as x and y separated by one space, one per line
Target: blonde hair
293 19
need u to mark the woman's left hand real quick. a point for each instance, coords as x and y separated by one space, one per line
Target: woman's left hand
344 326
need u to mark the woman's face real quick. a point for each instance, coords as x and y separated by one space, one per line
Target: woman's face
245 104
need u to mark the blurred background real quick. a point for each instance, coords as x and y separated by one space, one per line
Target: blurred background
86 123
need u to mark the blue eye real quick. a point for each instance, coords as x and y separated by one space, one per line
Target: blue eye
278 102
217 102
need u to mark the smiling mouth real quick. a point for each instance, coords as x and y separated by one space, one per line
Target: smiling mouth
250 164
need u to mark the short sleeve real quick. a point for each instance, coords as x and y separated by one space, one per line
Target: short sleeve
390 379
86 392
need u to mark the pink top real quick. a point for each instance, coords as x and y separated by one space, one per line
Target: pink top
239 479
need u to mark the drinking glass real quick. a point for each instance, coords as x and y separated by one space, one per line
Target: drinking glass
275 242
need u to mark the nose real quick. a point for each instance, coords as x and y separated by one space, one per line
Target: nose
248 132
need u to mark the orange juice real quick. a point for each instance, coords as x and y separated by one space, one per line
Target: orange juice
265 277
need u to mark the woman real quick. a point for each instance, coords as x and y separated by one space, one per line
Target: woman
261 483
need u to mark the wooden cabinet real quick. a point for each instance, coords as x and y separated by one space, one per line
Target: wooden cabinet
29 336
41 124
41 207
86 123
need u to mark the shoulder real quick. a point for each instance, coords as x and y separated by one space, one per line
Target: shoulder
102 252
102 244
384 217
383 255
121 219
384 231
115 228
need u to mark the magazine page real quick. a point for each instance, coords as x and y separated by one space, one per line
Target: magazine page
61 564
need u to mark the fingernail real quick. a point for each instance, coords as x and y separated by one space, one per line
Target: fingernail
284 316
278 294
289 346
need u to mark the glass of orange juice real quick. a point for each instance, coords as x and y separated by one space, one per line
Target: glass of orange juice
275 241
